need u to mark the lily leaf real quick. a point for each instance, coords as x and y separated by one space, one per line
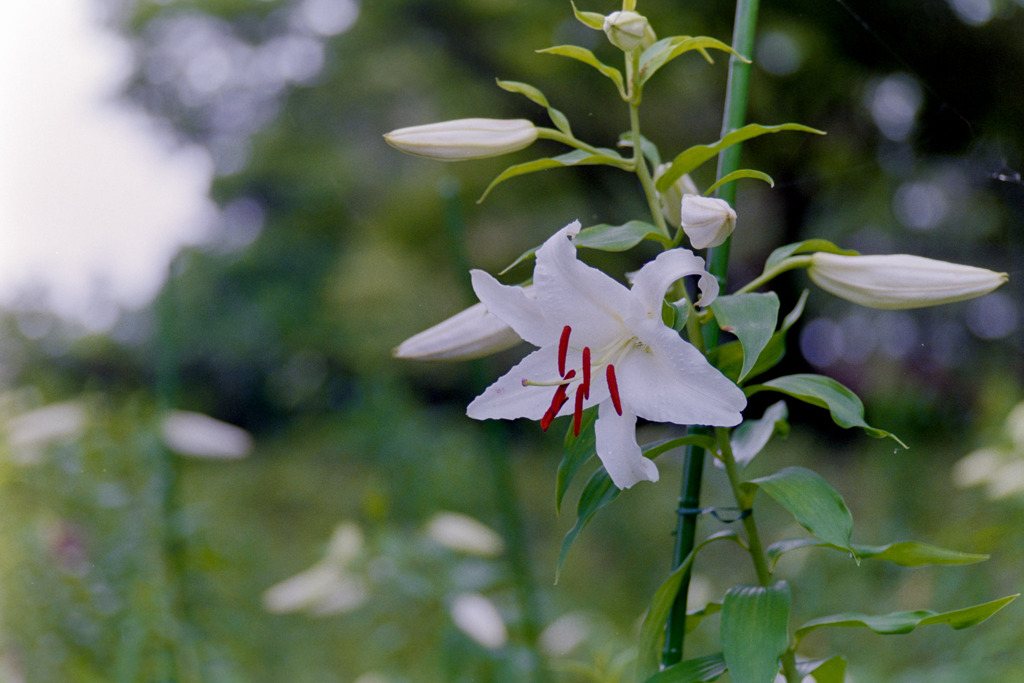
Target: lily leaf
754 635
589 19
752 318
698 670
753 435
587 57
811 500
831 670
694 617
784 252
905 622
738 175
537 97
904 554
662 52
693 157
846 408
619 237
577 157
653 629
578 450
729 357
649 149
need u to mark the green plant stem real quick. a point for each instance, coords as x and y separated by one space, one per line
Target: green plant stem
735 113
501 472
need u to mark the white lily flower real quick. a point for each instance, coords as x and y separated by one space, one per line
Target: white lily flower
606 345
898 281
471 333
707 221
463 139
628 30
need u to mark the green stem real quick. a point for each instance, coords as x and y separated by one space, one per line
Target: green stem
559 136
718 259
770 274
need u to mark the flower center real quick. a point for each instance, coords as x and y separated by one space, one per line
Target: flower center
569 377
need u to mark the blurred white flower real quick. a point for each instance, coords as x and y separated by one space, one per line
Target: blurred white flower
478 618
202 436
29 433
465 534
564 634
345 544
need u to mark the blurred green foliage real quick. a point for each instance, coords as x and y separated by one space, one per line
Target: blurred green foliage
331 248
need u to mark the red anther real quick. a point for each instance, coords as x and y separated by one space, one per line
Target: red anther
557 402
577 413
586 372
563 349
613 389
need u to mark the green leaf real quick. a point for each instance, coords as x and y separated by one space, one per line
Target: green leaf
728 358
662 52
649 149
698 670
653 629
693 157
587 57
589 19
784 252
844 405
537 97
578 450
754 635
811 500
905 622
693 618
831 670
577 157
753 435
905 553
737 175
619 237
752 318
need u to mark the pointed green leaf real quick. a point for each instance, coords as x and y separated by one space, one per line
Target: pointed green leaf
664 51
905 622
754 635
587 57
537 97
753 435
698 670
784 252
844 405
649 149
589 19
905 554
752 318
619 237
694 617
693 157
577 157
738 175
578 450
728 358
811 500
831 670
653 629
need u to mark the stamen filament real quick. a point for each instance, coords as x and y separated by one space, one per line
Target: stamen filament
613 388
563 349
565 380
586 372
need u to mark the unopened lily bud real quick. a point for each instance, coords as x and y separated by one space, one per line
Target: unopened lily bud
472 333
672 198
627 30
463 139
897 281
707 221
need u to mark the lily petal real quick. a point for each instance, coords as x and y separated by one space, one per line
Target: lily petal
618 450
508 398
671 381
654 279
516 307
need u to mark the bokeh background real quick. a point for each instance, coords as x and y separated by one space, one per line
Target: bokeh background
142 530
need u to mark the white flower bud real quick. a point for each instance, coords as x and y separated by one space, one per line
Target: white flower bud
478 618
672 198
463 139
626 30
897 281
707 221
471 333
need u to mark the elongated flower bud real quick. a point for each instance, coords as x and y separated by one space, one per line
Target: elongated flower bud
471 333
627 30
707 221
463 139
672 198
897 281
